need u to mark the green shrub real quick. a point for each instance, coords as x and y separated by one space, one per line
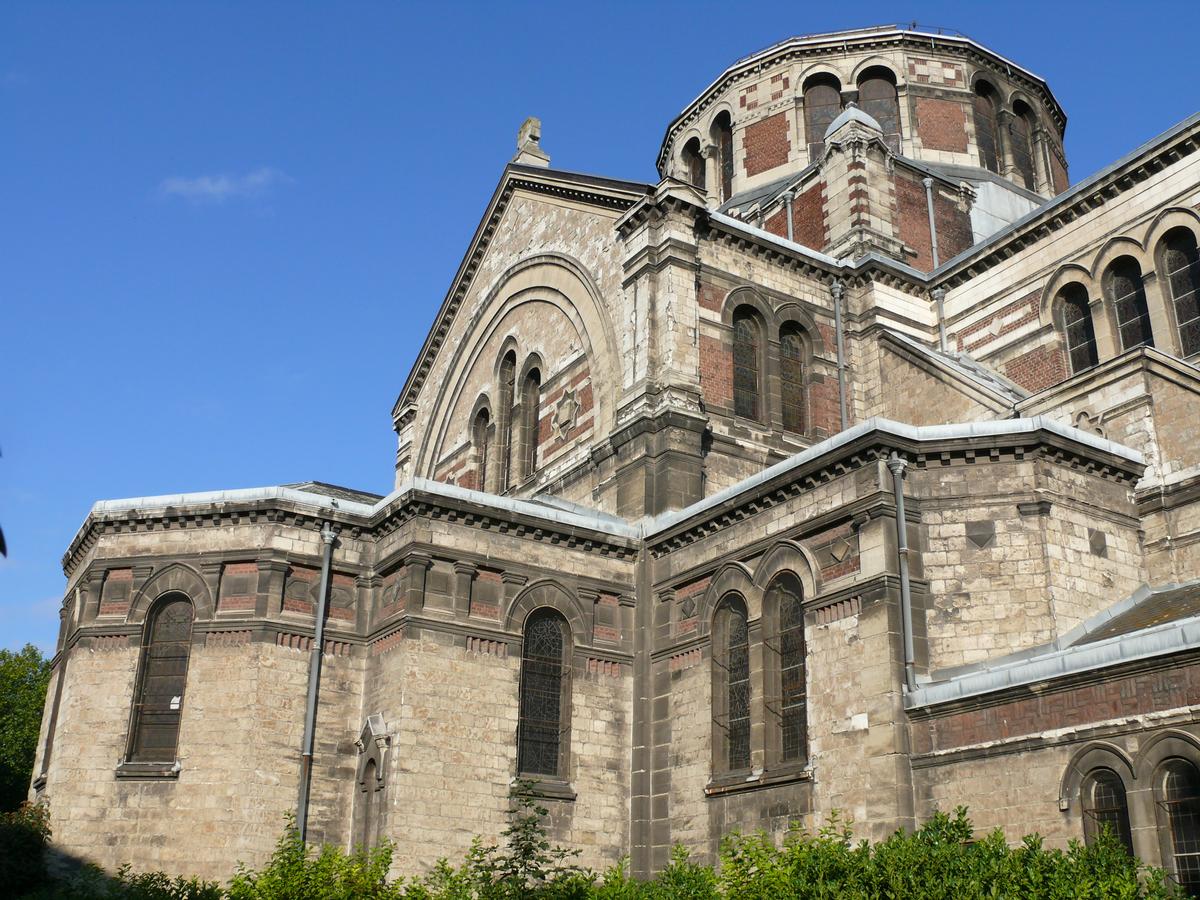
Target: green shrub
23 838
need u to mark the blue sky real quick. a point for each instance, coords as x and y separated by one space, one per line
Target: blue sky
225 227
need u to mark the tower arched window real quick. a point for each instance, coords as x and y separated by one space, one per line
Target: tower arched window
877 98
987 128
368 815
785 599
822 103
722 137
158 703
1178 798
1078 329
1181 265
1105 806
479 441
1021 131
791 378
693 162
531 394
747 363
506 426
543 731
1125 293
731 685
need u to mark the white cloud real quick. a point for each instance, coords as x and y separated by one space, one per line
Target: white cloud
220 188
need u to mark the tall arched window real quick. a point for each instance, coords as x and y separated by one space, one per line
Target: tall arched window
1181 264
822 103
785 597
1105 805
791 378
722 137
543 731
1021 130
877 98
479 440
693 161
731 685
747 363
1126 295
367 830
1178 791
166 646
1078 329
505 424
987 128
531 394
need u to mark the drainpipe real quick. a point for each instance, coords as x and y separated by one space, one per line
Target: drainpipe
837 289
939 295
897 465
928 182
329 535
788 197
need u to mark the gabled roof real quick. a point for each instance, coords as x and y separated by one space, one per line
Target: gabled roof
965 366
609 193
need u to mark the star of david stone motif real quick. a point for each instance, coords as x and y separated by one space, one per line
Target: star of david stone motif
565 414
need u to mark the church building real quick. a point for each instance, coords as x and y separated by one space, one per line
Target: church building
853 466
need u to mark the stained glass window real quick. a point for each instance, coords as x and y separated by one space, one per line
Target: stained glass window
731 684
541 728
531 392
877 98
694 162
1127 296
747 363
1021 132
791 379
508 377
1179 798
822 103
986 127
1105 805
789 596
165 650
1078 329
722 133
1182 266
480 439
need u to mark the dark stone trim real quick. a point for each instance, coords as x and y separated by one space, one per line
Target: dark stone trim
550 788
149 771
744 781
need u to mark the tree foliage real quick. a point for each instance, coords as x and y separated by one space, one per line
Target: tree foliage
24 675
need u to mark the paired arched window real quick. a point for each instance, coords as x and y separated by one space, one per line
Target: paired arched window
1177 791
791 378
722 137
479 440
693 161
877 98
1021 132
822 103
531 394
508 377
1181 266
1078 329
731 685
543 729
987 127
158 703
1126 295
785 598
747 363
1106 806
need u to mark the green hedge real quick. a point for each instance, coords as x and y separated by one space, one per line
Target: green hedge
940 861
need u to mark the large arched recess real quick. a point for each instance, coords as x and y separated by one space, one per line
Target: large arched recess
551 278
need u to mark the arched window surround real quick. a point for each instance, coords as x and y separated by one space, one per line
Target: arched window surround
1074 318
721 135
795 376
878 97
545 694
1127 303
822 99
506 384
482 431
1177 260
1022 125
370 807
527 412
986 122
785 671
749 344
692 160
733 691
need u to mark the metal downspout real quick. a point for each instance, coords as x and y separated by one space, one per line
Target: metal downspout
939 296
837 289
788 197
329 536
933 243
897 465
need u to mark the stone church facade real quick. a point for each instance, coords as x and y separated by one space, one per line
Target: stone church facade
852 466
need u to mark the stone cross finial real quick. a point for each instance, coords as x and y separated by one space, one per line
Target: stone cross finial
529 151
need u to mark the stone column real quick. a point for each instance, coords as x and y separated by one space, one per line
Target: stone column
712 174
272 573
416 566
464 578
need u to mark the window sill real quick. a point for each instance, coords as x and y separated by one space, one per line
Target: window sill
39 783
158 771
550 788
738 782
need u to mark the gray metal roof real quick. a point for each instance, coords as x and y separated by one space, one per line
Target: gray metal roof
968 367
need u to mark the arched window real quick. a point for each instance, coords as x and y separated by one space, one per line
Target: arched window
1178 791
1078 329
543 732
166 645
722 137
785 597
877 98
694 163
531 394
1105 805
987 128
791 378
747 363
367 813
1126 295
1181 264
1021 130
822 103
731 685
506 425
479 440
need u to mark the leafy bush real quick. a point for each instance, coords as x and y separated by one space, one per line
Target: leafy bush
24 675
23 838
